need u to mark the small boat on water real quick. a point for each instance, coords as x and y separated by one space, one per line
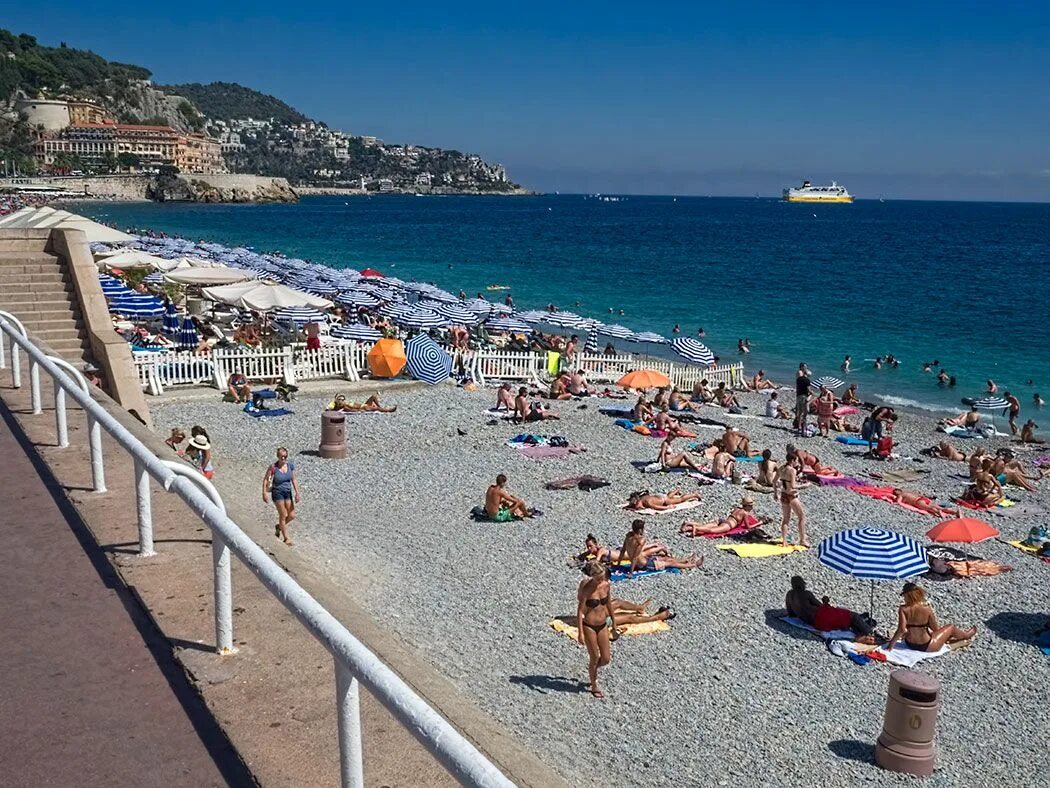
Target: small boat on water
807 192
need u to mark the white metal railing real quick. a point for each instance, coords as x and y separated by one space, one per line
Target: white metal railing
293 363
353 661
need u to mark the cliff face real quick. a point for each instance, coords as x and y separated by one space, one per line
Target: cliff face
221 188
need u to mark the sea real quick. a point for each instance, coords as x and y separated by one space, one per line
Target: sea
963 284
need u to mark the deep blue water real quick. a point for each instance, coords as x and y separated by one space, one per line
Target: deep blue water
962 283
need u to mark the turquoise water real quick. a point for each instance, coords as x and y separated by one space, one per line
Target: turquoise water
962 283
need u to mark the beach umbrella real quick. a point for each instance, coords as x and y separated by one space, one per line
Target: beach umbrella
693 350
988 403
171 320
422 318
507 324
386 359
263 296
300 315
134 258
371 272
152 308
188 337
647 336
156 278
964 530
215 275
591 345
565 320
873 554
644 379
426 360
356 331
456 314
616 331
357 298
116 289
829 382
532 316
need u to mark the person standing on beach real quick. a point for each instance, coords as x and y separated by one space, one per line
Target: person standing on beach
787 482
281 483
593 614
802 386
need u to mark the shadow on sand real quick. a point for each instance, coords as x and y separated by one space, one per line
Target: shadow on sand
1018 627
853 750
548 684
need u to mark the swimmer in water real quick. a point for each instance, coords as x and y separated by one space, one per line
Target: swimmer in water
878 363
942 378
1037 400
845 364
700 332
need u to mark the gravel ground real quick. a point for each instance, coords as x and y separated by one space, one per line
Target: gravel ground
726 697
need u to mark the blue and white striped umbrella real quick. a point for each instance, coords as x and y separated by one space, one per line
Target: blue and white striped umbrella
300 315
507 324
990 403
188 337
874 554
532 316
357 298
456 314
479 306
422 318
358 332
693 350
171 320
565 319
591 346
148 307
426 360
616 331
156 278
829 382
647 336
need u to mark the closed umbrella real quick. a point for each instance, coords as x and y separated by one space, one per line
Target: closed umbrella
188 337
171 320
873 554
829 382
426 360
591 346
386 359
357 332
693 350
644 379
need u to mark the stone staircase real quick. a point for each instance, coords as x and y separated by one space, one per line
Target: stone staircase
36 287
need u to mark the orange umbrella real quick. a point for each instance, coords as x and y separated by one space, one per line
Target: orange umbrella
964 529
644 379
386 358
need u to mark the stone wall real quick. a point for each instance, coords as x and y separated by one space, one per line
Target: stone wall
118 187
222 188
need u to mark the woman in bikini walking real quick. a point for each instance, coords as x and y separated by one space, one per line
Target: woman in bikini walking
787 482
593 613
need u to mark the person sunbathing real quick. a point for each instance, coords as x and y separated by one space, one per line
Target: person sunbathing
968 420
722 465
917 501
559 388
662 398
578 385
702 392
664 421
740 517
810 462
370 405
945 451
802 603
501 506
986 489
634 548
638 501
737 443
238 388
625 612
761 383
1008 470
504 398
642 410
679 402
839 424
595 551
850 397
669 460
725 397
775 409
1028 433
918 627
525 411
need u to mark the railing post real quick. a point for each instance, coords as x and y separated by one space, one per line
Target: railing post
61 430
288 362
98 473
220 562
34 387
144 507
348 710
3 356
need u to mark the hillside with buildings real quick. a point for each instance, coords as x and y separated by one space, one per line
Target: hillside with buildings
68 111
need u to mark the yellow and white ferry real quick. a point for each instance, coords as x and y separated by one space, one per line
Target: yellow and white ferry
807 192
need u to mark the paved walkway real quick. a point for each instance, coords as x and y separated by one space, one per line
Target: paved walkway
91 693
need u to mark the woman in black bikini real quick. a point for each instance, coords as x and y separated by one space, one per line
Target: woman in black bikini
918 627
593 614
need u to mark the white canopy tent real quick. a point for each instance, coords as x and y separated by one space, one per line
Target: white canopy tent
263 296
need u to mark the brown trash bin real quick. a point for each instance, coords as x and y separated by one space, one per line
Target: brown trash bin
333 435
906 742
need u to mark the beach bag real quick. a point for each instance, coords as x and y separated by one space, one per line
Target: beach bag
884 447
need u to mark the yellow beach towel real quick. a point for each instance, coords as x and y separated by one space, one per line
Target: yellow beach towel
563 626
553 362
761 549
1027 548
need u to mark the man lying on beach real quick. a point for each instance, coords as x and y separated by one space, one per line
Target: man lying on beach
634 545
802 604
370 405
920 502
739 517
638 501
501 506
969 420
669 460
505 398
944 451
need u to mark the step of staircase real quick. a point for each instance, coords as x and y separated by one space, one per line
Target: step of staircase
22 244
23 303
38 278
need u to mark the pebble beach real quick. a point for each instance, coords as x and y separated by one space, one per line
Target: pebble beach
729 695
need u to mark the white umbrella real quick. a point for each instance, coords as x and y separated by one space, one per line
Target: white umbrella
219 275
43 218
263 296
134 258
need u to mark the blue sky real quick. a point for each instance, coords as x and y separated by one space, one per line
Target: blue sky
931 100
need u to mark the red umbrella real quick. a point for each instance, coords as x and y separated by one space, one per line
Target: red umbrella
965 530
370 272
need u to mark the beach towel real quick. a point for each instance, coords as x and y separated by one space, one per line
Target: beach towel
755 458
833 634
566 625
851 440
959 432
760 549
266 414
900 475
546 452
836 481
1044 642
1024 548
907 657
619 574
585 482
610 410
846 410
676 508
886 494
1005 503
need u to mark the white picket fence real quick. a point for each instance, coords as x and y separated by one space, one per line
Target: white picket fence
293 363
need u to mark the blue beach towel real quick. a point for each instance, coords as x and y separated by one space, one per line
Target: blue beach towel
851 440
265 414
618 575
